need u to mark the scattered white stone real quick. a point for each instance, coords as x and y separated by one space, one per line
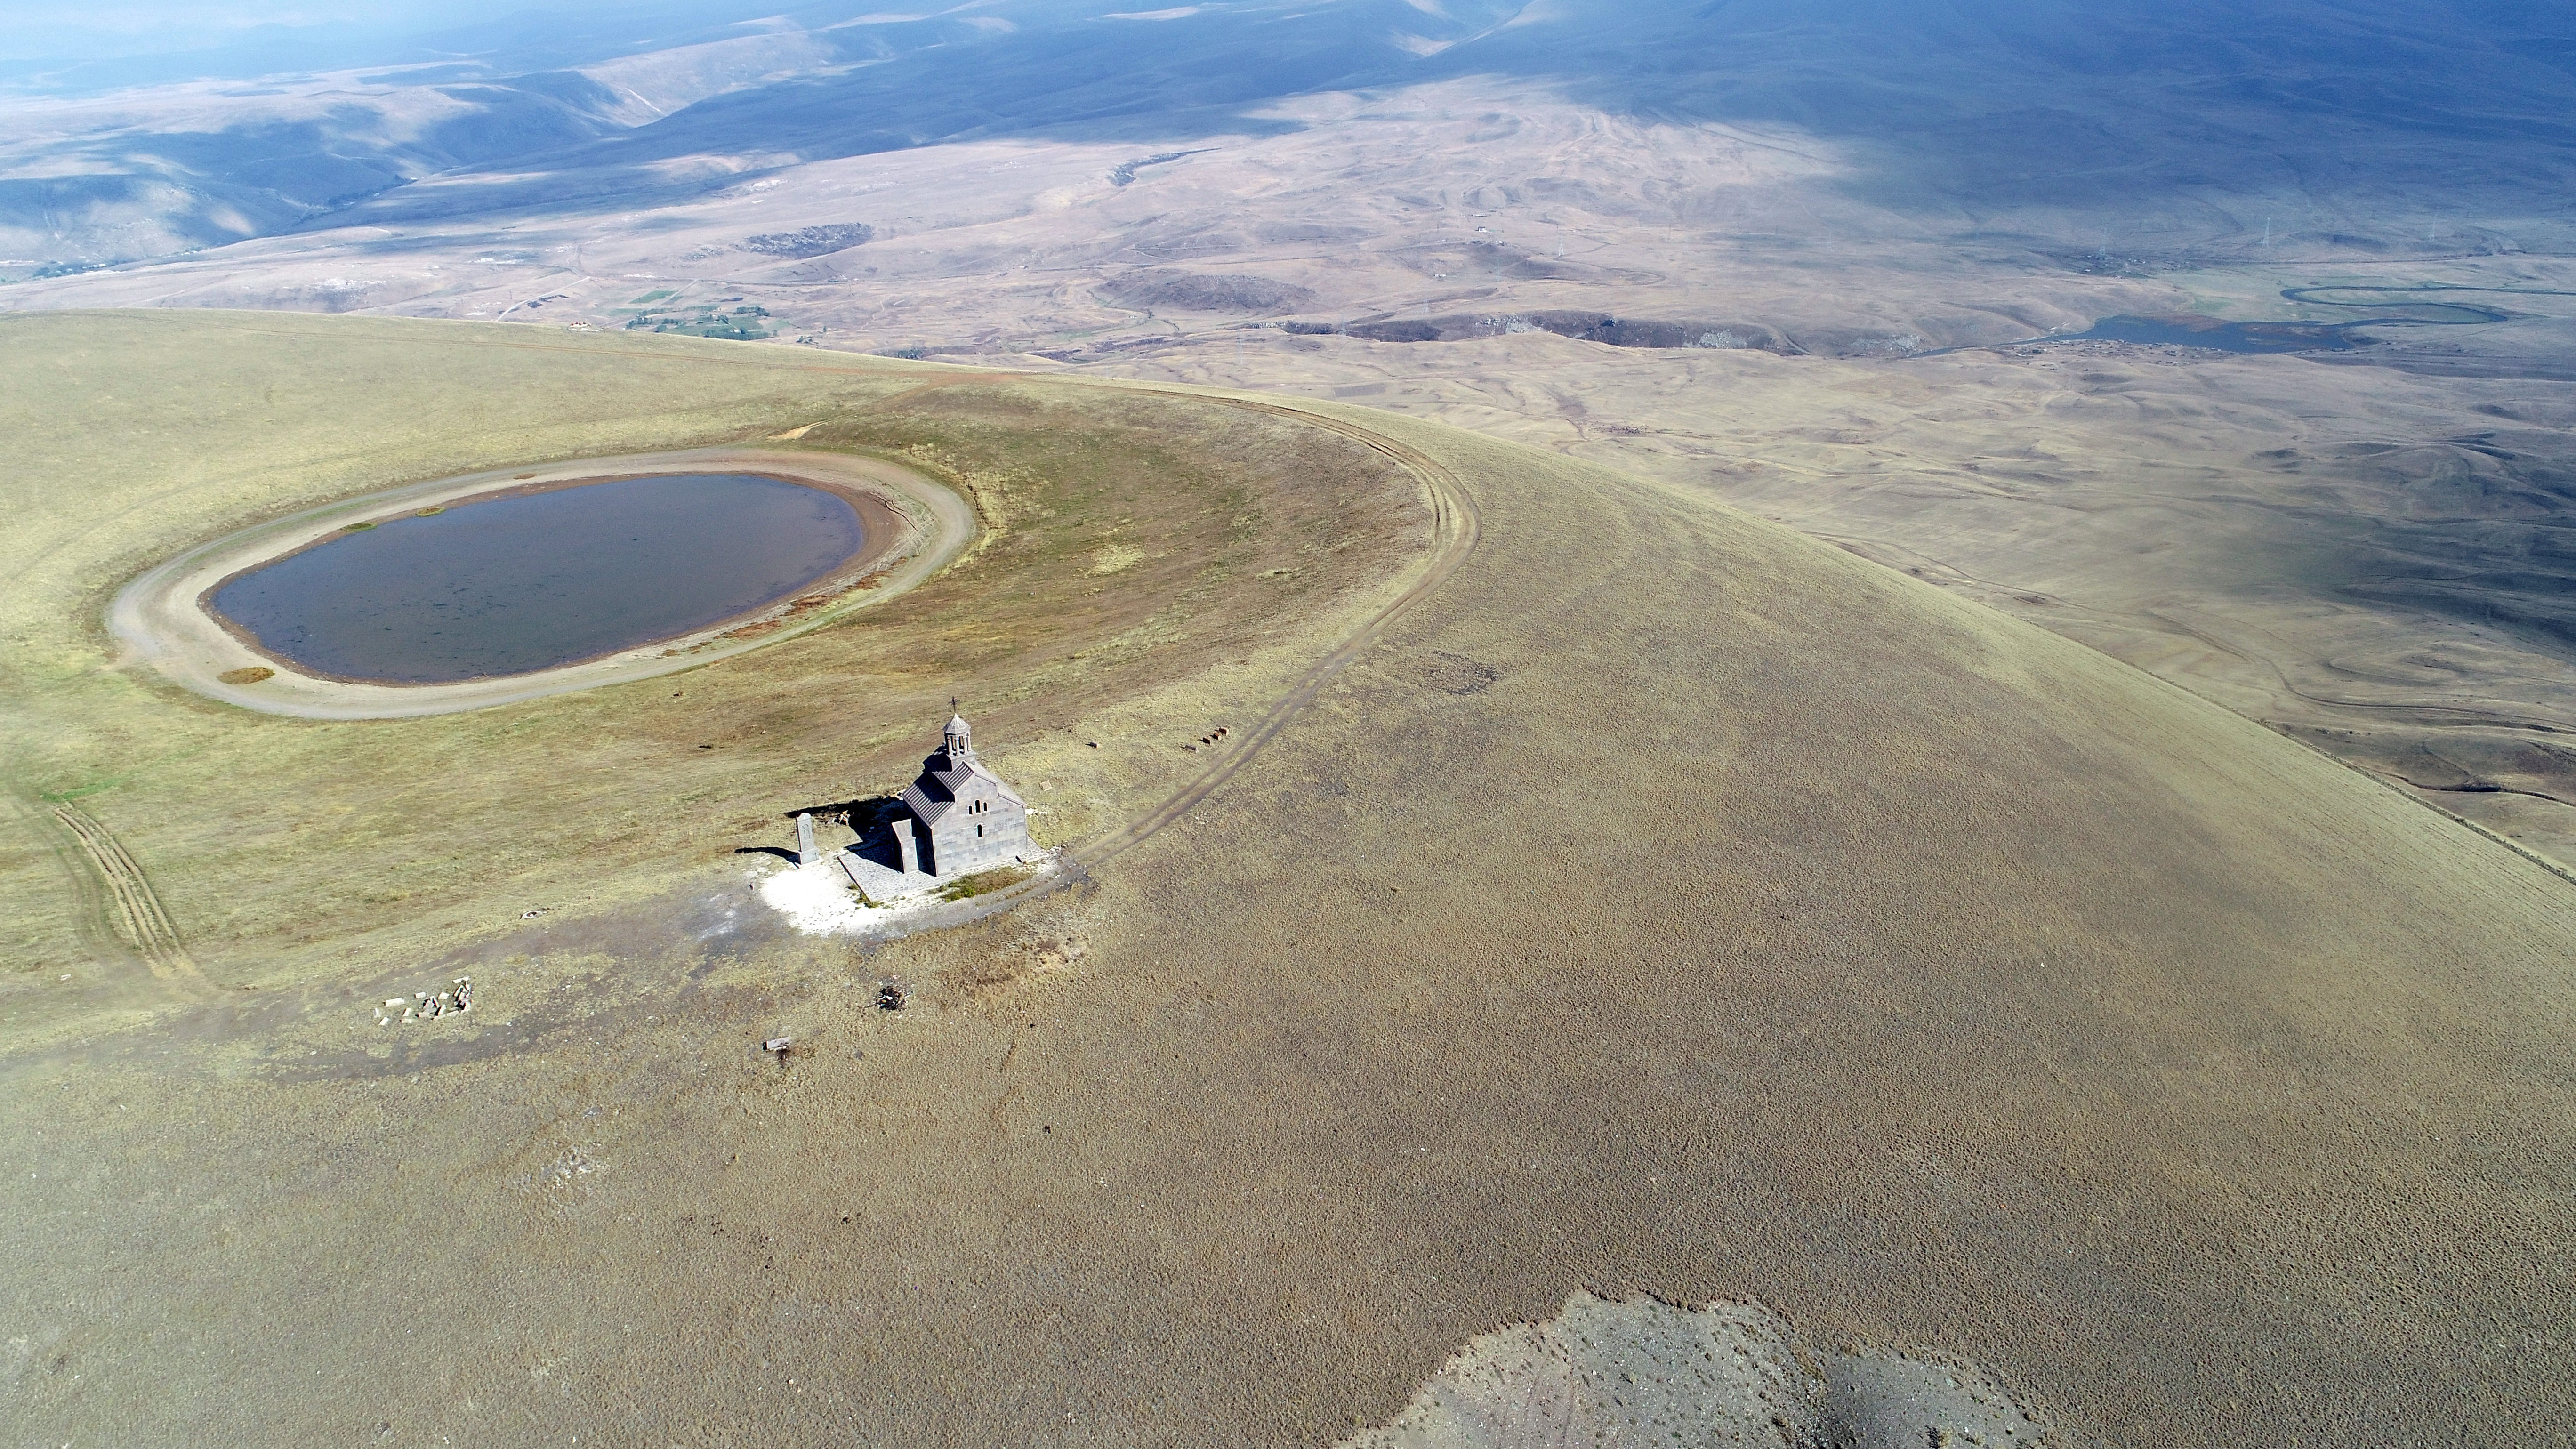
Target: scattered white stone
1647 1373
426 1005
816 899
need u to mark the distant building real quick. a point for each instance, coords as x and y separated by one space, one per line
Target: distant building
959 817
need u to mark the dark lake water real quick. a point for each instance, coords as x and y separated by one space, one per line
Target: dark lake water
2406 306
531 581
2224 336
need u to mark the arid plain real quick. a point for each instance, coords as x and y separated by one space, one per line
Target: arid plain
1698 911
1762 768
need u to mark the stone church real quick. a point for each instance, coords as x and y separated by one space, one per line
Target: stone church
956 819
959 817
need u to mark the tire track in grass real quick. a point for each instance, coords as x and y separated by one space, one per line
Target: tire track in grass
1455 527
133 908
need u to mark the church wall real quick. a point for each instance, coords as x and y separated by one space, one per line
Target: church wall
957 850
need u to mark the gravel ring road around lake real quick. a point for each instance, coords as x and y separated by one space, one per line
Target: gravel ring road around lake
161 622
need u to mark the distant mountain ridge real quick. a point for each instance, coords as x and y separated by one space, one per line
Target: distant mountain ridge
2130 99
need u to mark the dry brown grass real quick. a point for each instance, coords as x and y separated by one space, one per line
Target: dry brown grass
1668 904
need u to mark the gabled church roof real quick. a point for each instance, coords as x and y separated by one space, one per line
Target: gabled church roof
944 778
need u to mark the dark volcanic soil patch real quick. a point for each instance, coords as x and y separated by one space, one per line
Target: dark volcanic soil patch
1203 292
1581 326
812 241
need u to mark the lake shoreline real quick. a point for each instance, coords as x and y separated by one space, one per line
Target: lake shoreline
917 527
878 524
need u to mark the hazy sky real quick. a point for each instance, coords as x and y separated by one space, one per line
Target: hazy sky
120 28
114 29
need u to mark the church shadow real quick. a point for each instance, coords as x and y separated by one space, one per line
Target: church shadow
870 819
849 812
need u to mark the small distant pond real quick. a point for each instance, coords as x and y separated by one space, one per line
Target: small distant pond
2220 336
520 582
2415 305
